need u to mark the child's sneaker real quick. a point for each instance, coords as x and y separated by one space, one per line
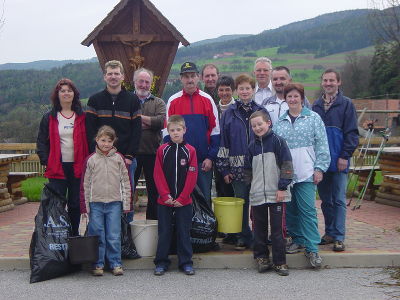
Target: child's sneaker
98 271
294 248
159 270
118 271
282 270
315 259
188 270
263 264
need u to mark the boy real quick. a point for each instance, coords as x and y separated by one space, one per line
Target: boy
272 172
175 175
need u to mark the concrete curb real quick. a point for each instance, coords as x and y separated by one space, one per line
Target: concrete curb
215 260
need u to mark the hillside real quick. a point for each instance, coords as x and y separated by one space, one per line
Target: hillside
44 64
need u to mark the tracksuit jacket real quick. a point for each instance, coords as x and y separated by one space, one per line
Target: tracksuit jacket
49 145
308 144
123 116
201 118
272 168
175 172
341 127
235 140
105 179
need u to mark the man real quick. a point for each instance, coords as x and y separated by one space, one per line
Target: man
116 107
262 69
339 116
276 105
202 124
153 115
209 76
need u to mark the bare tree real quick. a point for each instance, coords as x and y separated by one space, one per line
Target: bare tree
385 20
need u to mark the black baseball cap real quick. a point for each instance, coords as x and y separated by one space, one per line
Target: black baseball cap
189 67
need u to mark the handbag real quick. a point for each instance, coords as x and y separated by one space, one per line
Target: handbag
83 249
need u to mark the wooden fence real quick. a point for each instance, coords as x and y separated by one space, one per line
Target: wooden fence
32 164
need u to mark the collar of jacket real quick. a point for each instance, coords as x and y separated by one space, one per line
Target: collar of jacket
110 153
338 101
259 139
196 92
305 112
171 143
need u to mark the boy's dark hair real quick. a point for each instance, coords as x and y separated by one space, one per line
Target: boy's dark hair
245 78
332 71
259 113
226 81
107 131
294 86
176 119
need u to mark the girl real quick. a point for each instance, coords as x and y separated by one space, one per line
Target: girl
105 185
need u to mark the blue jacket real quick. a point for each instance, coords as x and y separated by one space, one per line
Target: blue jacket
307 142
341 127
272 168
235 141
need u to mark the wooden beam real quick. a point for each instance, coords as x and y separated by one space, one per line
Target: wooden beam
132 38
136 16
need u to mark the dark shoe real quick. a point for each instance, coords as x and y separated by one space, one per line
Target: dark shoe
231 239
315 259
263 264
159 271
240 245
338 246
188 270
282 270
326 239
294 248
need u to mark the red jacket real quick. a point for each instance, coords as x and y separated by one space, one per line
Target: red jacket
49 146
175 172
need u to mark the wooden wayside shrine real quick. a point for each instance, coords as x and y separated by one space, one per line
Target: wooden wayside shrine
138 35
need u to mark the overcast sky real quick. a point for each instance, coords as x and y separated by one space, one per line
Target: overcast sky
54 29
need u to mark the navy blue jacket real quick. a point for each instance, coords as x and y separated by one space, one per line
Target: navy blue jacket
235 140
341 128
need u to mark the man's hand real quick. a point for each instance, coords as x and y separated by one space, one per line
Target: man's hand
206 165
128 161
280 196
228 178
177 204
318 175
170 201
342 164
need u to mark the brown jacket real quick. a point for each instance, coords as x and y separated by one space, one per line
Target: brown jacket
155 108
105 179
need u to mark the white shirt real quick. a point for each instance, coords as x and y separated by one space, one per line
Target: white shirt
66 131
262 94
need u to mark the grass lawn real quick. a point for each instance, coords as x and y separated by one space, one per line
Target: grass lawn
32 188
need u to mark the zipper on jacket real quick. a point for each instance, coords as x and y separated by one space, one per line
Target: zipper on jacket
191 103
262 159
176 171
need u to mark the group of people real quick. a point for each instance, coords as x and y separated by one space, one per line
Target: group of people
269 147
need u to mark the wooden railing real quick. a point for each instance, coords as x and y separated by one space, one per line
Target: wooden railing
31 164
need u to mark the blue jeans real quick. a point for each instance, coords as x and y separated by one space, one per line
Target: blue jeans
332 191
105 221
242 190
301 216
183 224
132 169
204 180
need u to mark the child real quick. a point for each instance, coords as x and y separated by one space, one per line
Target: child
175 175
272 172
105 184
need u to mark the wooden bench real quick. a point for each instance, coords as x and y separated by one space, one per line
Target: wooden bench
14 185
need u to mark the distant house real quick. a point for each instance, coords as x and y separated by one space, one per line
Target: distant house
222 55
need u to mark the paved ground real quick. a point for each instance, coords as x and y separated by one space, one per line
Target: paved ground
374 228
337 284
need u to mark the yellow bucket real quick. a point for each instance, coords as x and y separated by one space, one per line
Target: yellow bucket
229 213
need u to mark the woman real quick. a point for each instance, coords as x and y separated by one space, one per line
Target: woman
62 145
305 134
236 135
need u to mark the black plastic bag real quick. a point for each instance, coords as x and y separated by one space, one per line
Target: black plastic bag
48 251
128 248
204 224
